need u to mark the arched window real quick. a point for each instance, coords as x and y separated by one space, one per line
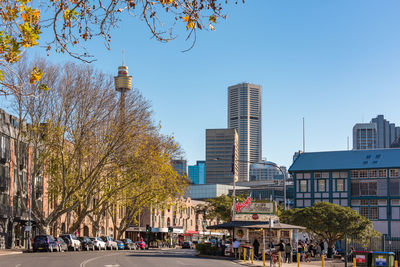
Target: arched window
169 222
86 231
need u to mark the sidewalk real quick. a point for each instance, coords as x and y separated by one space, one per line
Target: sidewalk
11 251
294 264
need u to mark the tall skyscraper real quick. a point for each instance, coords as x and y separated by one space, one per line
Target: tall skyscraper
379 133
244 115
220 145
180 166
197 173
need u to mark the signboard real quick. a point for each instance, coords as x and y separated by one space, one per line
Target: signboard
178 231
258 208
380 261
360 258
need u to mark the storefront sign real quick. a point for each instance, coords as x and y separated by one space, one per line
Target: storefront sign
360 258
380 261
244 204
258 208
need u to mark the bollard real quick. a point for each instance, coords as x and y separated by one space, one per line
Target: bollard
263 257
239 252
244 254
252 255
323 261
354 262
298 259
279 259
396 263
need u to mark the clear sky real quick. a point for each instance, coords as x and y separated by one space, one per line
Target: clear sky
335 63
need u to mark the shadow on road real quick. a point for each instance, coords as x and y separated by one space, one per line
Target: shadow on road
174 255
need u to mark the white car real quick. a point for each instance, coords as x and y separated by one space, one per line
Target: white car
98 243
72 242
110 242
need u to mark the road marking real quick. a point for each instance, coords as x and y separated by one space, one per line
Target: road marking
113 265
83 264
18 265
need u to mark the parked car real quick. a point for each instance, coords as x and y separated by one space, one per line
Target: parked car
45 243
129 244
120 244
141 244
72 242
98 243
61 244
187 244
86 243
110 243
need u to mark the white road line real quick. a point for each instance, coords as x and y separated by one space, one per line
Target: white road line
83 264
18 265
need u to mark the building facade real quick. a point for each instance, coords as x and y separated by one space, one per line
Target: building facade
244 115
379 133
368 181
180 166
221 155
266 171
197 173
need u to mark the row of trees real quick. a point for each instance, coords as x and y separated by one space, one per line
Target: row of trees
92 161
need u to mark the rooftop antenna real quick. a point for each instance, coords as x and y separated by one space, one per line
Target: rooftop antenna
304 138
348 143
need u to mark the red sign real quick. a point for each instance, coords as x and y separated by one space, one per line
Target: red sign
360 258
240 206
255 216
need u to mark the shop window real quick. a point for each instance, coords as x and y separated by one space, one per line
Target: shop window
340 185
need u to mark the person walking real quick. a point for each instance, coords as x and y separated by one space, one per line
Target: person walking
288 253
256 246
235 246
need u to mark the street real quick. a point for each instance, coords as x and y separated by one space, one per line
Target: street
164 258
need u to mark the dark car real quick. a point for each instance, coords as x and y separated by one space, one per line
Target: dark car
86 243
129 244
61 244
45 243
187 244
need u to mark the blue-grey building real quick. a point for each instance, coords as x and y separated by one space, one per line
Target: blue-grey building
366 180
197 173
180 166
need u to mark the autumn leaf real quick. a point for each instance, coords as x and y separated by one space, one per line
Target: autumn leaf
36 75
211 27
186 18
213 19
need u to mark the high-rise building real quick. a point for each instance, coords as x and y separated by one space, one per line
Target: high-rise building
180 166
266 170
197 173
379 133
221 156
244 115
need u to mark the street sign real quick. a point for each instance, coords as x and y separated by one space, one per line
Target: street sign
360 258
380 261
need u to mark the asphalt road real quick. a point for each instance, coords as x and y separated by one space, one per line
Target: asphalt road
139 258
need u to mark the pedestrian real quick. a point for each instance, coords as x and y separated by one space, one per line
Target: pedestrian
235 246
256 246
288 253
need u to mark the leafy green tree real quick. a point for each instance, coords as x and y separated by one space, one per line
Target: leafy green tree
330 222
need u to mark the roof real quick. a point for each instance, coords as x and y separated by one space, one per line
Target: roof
348 159
253 225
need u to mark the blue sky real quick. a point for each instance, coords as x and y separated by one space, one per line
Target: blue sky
335 63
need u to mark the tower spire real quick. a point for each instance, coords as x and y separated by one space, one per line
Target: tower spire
123 55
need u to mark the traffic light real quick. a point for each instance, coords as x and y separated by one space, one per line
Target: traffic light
170 229
148 228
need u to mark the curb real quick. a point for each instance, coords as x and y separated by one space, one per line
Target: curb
11 253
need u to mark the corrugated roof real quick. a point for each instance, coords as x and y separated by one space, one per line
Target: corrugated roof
348 159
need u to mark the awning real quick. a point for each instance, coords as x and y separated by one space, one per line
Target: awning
192 232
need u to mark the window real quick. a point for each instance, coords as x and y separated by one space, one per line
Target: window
373 173
335 174
373 213
303 186
321 185
299 175
343 174
393 173
307 175
354 174
340 185
363 174
382 173
317 175
364 211
325 175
